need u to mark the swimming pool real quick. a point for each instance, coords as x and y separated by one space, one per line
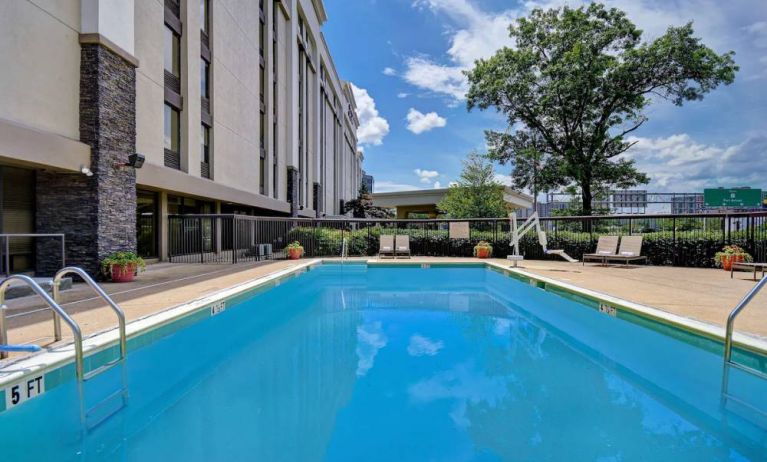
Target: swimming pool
355 362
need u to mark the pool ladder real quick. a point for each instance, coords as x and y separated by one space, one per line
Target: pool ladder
729 363
58 315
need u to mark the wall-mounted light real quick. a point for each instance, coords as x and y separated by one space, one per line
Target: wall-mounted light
85 171
135 160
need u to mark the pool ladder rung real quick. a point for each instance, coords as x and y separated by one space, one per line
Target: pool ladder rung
728 361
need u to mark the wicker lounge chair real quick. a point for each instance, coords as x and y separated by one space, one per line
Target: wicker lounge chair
629 251
386 246
607 246
402 246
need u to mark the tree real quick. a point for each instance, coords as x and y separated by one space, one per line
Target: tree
580 79
533 168
477 194
362 206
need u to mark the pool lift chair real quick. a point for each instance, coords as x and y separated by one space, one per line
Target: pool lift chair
517 232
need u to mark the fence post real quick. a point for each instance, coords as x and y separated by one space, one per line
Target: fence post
234 239
673 240
202 240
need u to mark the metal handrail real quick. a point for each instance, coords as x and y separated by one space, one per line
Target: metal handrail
76 332
100 292
734 314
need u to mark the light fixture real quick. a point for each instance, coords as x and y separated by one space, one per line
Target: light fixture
135 160
85 171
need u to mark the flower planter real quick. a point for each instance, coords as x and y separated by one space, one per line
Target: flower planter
728 260
123 273
483 252
295 254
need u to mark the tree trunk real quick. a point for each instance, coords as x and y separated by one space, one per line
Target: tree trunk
586 201
586 198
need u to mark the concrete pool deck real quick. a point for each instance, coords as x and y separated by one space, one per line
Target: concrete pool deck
705 295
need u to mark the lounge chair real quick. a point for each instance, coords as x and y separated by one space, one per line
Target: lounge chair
386 246
607 246
402 246
629 251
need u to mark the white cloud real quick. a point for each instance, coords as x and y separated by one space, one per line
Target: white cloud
418 122
389 71
473 33
402 95
370 339
424 346
373 128
437 185
393 186
428 75
678 163
477 34
426 176
503 179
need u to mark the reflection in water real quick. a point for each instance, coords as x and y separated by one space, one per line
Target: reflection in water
370 339
405 365
423 346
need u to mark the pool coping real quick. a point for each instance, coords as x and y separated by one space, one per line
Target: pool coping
52 364
56 359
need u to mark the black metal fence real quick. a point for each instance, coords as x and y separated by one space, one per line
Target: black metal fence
681 240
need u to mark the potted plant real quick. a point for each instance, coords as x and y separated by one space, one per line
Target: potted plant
295 250
483 250
731 254
122 266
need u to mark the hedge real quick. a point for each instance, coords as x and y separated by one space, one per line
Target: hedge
684 248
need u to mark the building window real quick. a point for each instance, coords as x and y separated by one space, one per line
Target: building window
172 137
204 78
204 16
204 151
172 50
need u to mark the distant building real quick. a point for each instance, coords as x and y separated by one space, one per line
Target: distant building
544 209
423 202
687 203
368 182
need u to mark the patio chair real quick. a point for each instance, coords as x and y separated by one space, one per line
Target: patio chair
629 251
607 246
402 248
386 246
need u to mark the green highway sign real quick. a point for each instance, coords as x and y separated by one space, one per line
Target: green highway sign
736 197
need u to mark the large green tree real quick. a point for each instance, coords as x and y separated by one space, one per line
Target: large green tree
477 193
580 79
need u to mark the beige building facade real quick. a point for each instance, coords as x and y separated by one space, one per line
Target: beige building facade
236 107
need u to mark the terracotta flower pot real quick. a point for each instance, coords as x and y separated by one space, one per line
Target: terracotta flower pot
483 252
728 260
295 254
123 273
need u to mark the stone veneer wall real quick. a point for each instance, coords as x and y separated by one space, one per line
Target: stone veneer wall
293 179
98 213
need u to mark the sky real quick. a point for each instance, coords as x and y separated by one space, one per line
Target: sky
405 60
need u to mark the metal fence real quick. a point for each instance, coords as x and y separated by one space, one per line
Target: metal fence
681 240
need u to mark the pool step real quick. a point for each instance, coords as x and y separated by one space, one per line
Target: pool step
106 408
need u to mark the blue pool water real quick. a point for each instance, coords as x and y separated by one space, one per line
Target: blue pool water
405 364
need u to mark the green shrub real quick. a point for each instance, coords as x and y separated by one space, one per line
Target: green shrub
695 247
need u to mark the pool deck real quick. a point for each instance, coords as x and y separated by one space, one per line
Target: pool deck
705 295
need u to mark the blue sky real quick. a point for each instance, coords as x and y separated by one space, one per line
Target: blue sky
405 58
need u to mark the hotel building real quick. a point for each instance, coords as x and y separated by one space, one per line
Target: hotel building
236 107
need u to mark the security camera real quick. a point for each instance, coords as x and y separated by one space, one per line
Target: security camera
85 171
